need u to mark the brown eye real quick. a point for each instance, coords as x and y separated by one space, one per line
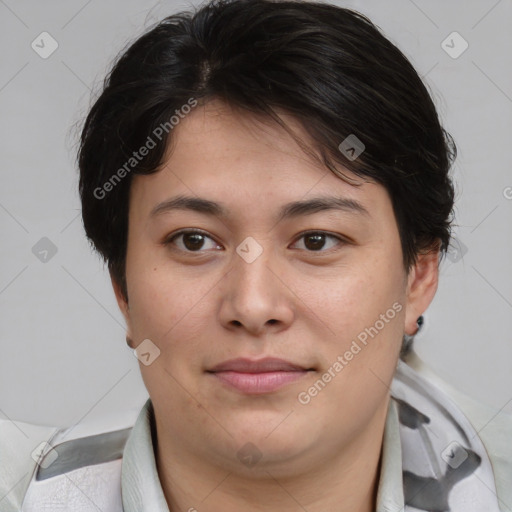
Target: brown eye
193 241
190 241
315 241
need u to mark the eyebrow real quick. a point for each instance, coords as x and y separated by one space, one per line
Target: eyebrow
289 210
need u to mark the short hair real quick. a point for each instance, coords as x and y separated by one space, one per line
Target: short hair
329 67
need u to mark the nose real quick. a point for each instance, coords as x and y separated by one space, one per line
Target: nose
254 296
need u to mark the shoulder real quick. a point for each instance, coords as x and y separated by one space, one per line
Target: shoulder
20 444
486 420
48 467
493 426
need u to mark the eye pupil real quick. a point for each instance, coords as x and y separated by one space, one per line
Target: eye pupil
318 243
196 244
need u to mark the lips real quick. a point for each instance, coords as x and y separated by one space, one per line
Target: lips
268 364
258 376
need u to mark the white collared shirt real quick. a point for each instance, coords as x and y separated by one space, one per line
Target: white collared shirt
141 488
126 477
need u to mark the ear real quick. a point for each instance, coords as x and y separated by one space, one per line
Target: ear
422 284
122 302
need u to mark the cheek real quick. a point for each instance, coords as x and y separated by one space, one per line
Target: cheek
355 298
170 314
367 317
365 312
168 307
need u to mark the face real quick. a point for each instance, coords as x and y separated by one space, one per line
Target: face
278 320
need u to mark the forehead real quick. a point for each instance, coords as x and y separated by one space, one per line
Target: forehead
226 131
229 156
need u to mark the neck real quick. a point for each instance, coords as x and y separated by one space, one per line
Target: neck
345 481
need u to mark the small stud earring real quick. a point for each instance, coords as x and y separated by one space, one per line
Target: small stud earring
419 323
408 340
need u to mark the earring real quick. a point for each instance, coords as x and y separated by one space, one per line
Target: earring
408 340
419 323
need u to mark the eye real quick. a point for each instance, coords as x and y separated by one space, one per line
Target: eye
192 240
314 241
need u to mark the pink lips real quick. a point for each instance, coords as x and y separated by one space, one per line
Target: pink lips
256 377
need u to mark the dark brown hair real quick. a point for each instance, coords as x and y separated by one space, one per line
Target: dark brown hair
330 67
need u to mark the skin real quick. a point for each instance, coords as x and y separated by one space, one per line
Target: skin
206 305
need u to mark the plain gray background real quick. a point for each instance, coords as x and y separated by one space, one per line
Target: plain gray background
63 355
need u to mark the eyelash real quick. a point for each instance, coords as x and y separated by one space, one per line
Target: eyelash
169 240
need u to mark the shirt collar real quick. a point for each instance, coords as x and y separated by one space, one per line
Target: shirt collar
141 488
140 484
390 493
